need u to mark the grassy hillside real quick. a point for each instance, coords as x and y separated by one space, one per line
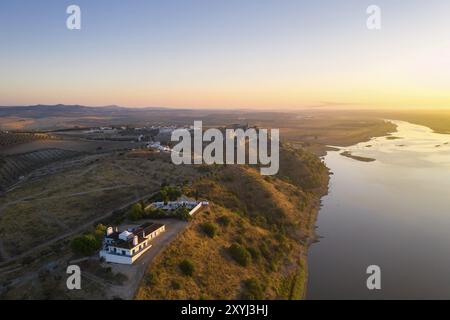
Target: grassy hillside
64 196
251 242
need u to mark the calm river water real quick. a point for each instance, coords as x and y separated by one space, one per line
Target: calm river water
394 213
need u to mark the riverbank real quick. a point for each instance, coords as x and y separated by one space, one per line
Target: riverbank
335 129
262 226
269 220
365 220
436 119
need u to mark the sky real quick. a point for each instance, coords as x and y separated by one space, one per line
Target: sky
263 54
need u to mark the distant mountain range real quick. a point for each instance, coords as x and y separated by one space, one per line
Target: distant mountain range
61 110
60 116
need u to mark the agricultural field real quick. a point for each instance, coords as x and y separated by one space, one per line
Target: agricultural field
57 201
22 159
8 139
69 144
16 167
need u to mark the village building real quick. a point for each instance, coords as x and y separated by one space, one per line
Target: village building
193 206
127 246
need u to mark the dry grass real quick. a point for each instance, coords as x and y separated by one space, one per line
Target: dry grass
269 215
216 275
42 209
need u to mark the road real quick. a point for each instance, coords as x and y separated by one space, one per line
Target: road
74 231
136 272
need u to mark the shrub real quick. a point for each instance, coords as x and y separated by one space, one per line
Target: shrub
238 239
99 232
136 212
240 254
85 245
224 221
265 250
252 290
187 267
210 229
173 193
167 193
182 213
151 279
175 285
254 253
155 213
118 220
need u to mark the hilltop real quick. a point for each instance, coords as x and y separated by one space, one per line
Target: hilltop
262 228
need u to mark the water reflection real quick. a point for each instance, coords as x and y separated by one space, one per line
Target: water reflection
394 212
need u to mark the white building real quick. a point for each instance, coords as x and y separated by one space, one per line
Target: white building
157 146
127 246
193 206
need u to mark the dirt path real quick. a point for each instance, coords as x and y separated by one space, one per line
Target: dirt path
136 272
76 194
118 166
26 198
75 231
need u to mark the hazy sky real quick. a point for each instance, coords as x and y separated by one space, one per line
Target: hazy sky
226 53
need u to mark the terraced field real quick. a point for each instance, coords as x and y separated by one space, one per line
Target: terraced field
11 139
67 195
16 167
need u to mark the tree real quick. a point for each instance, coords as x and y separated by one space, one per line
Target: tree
100 231
167 193
173 193
142 204
182 213
85 245
155 213
164 197
136 212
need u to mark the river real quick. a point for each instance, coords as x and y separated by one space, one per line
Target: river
393 212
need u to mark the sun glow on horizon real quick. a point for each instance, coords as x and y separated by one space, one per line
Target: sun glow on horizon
227 54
